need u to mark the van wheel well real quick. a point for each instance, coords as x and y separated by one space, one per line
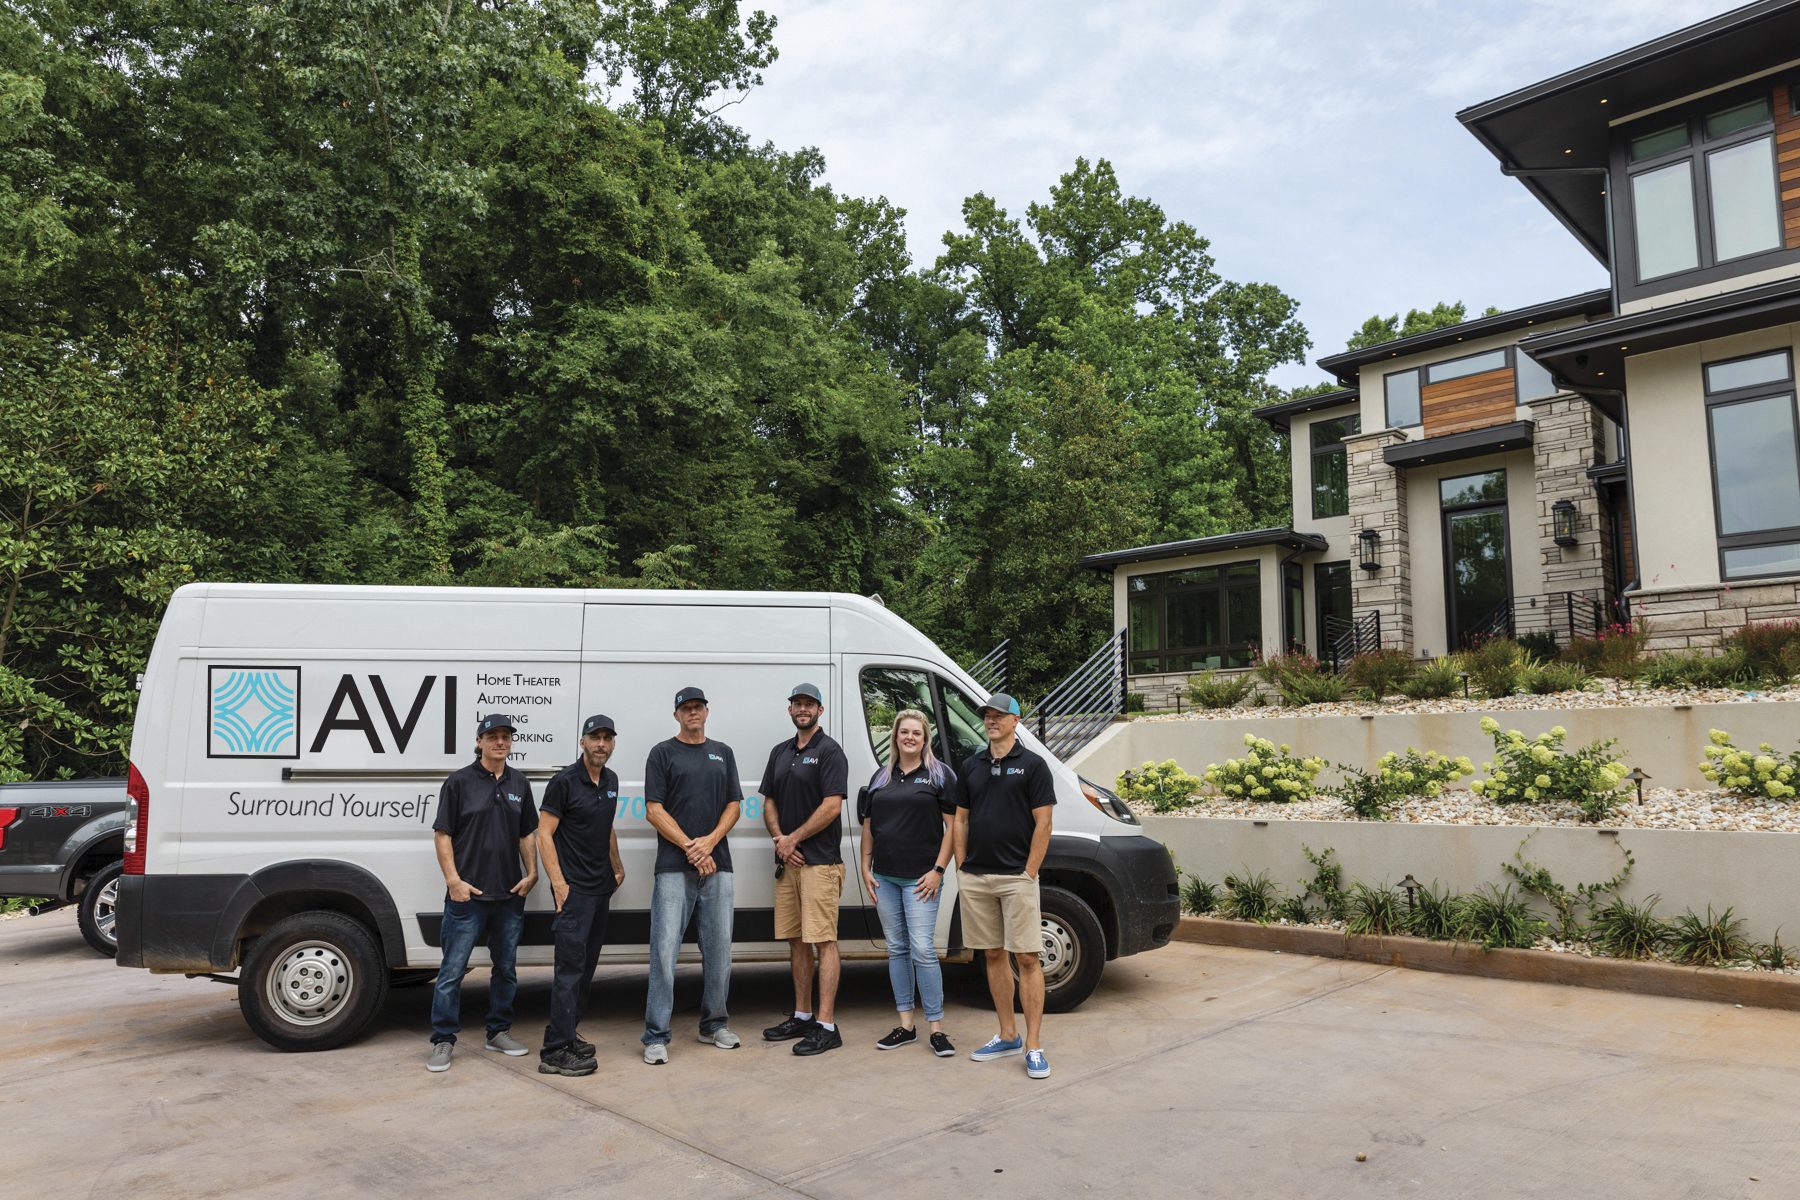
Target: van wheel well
286 904
1094 894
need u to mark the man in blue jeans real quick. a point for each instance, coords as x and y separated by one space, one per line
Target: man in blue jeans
692 796
485 834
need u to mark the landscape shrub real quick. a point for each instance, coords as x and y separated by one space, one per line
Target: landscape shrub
1374 911
1539 770
1625 930
1209 689
1135 702
1548 678
1538 645
1697 668
1251 898
1372 795
1438 914
1771 649
1164 786
1496 918
1199 896
1266 772
1709 941
1301 680
1762 775
1616 651
1435 680
1327 882
1377 673
1497 667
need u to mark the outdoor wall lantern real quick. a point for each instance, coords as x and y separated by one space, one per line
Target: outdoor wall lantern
1562 517
1369 543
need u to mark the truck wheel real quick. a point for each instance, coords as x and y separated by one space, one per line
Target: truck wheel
97 910
312 982
1074 949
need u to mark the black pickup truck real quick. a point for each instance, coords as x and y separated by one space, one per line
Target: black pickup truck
65 841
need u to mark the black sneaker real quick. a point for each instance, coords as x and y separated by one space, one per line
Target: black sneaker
940 1046
581 1047
565 1061
898 1037
789 1029
818 1041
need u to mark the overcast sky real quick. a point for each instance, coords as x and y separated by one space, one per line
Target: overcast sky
1313 142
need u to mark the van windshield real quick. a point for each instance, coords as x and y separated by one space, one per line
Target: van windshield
962 725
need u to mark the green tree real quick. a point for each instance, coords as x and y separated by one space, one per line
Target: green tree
1378 329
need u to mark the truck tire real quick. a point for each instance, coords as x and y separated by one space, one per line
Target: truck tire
96 910
1074 949
312 982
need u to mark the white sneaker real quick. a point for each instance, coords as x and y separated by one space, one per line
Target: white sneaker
656 1054
507 1044
440 1056
721 1037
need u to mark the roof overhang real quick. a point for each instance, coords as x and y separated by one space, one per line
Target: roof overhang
1495 439
1284 538
1588 304
1279 415
1561 123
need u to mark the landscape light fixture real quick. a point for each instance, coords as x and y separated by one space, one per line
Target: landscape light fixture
1464 676
1369 545
1411 887
1562 519
1637 776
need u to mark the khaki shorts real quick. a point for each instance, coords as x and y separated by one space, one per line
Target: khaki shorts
1000 910
806 903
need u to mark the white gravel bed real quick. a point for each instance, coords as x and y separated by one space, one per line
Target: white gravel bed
1602 693
1663 808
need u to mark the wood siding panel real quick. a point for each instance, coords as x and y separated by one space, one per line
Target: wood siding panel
1472 402
1787 155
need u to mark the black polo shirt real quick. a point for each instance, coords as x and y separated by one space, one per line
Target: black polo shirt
797 781
906 820
584 812
1002 798
694 784
486 819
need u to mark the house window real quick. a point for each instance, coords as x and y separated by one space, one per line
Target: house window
1533 381
1703 187
1755 438
1403 389
1331 591
1402 399
1331 466
1203 618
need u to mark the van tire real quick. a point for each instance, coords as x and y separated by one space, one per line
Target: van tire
1074 949
96 909
312 982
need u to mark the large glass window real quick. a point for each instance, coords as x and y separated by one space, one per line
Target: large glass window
1489 487
1203 618
1331 466
1662 207
1746 218
1402 399
1331 594
1474 364
1755 438
1533 381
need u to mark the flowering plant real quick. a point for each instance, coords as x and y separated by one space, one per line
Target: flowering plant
1397 777
1763 775
1266 772
1528 770
1163 786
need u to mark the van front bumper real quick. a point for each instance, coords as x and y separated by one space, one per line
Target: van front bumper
170 922
1150 902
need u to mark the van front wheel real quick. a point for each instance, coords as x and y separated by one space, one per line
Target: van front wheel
1074 949
312 982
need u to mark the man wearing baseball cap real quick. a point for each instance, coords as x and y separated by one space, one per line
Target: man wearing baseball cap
580 851
1004 794
485 847
692 797
803 789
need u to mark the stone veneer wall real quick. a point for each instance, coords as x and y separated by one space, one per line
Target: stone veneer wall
1688 618
1378 502
1565 443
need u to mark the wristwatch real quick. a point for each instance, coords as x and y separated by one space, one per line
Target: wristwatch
939 870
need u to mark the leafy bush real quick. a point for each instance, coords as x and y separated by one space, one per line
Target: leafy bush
1771 649
1377 673
1538 645
1267 772
1540 770
1437 914
1496 918
1435 680
1771 955
1295 911
1327 882
1371 795
1764 775
1253 897
1375 911
1497 667
1199 896
1301 679
1545 679
1164 786
1616 651
1697 668
1626 930
1135 702
1708 941
1209 689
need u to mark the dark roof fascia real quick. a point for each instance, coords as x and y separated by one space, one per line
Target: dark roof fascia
1611 472
1279 415
1246 540
1495 439
1587 304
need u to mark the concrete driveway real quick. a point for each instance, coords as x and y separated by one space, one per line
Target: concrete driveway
1194 1071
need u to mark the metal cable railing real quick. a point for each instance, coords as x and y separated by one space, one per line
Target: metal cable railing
990 669
1073 712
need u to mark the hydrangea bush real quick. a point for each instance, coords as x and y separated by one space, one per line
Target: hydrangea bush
1396 777
1163 786
1533 770
1763 775
1266 772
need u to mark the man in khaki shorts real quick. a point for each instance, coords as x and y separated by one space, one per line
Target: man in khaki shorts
802 793
1004 795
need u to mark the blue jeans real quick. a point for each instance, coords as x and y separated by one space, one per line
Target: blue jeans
672 903
910 924
465 924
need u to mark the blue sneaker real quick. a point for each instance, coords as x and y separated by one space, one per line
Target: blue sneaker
998 1047
1036 1065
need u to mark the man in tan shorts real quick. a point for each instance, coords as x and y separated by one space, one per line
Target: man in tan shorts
1004 795
802 793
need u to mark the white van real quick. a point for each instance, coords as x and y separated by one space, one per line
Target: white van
290 741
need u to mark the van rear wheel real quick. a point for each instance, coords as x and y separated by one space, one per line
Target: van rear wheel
312 982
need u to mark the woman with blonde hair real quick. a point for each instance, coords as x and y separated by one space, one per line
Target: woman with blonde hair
905 813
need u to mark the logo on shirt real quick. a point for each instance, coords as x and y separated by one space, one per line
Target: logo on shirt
515 797
612 795
1015 770
715 758
810 762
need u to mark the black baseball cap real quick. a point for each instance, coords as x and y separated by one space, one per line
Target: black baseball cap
598 722
687 694
810 691
495 721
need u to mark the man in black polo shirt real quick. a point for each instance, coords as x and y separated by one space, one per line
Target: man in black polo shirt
692 797
580 851
483 830
1004 795
803 789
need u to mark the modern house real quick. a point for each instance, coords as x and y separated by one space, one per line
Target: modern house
1479 479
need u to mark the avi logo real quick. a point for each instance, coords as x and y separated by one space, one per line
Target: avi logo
253 712
810 762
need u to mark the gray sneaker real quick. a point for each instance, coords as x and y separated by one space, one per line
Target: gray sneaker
721 1037
508 1045
656 1054
440 1056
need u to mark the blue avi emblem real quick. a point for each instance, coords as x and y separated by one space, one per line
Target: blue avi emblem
252 712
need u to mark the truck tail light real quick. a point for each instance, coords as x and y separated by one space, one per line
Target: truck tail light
7 817
137 820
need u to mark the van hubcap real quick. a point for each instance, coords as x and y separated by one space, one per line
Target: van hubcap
310 984
1062 954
